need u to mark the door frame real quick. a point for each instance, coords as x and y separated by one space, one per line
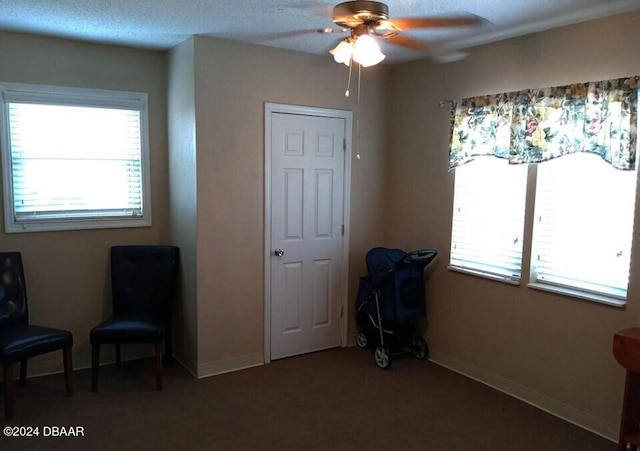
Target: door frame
269 109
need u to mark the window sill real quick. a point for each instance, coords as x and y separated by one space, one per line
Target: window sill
77 224
592 297
484 275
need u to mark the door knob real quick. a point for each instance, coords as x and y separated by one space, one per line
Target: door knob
278 252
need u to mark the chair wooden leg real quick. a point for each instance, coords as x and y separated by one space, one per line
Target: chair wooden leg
23 372
168 346
158 365
67 359
630 410
95 363
118 361
9 391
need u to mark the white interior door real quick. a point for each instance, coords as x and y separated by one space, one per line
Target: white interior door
307 227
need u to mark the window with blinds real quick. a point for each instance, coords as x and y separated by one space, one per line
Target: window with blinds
583 225
74 158
488 218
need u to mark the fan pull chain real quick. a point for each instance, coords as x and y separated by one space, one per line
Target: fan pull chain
358 114
346 93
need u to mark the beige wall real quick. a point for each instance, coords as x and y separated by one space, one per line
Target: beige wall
233 81
67 272
551 350
183 195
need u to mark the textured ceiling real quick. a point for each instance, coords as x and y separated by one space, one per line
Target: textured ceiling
161 24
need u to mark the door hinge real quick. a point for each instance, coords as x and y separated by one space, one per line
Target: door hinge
344 144
342 228
341 311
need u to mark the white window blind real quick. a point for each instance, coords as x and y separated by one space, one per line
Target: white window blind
76 159
583 225
488 218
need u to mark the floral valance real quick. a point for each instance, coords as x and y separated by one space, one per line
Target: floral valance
536 125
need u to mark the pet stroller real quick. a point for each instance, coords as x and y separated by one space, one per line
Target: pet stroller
390 301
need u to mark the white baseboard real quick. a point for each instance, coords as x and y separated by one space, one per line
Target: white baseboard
51 363
229 365
187 364
554 407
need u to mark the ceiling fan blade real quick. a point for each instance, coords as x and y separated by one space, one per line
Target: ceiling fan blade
406 41
436 22
282 35
331 30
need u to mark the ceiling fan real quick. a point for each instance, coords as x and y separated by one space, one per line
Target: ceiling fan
368 20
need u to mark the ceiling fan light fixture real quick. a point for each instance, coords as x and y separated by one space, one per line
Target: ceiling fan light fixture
366 51
369 20
343 52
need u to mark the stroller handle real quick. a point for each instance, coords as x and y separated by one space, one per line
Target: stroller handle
422 254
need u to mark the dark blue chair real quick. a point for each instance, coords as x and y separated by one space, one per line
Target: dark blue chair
142 281
19 340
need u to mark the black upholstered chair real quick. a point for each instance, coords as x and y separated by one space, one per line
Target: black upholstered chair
19 340
142 280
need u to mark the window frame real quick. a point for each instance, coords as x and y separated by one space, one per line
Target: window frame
471 266
528 267
575 291
80 97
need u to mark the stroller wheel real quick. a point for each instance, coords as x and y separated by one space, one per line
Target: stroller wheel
382 357
420 349
362 340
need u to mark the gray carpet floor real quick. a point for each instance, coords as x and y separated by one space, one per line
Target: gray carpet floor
332 400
